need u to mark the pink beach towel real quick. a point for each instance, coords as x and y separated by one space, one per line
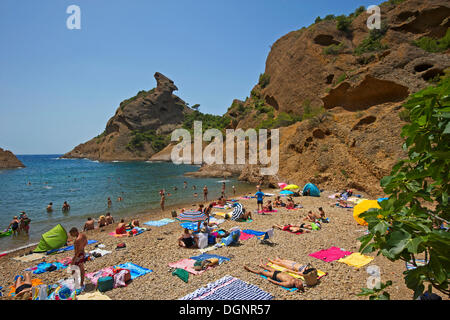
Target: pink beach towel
266 211
332 254
188 265
94 276
245 236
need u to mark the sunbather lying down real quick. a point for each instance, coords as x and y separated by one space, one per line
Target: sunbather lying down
278 278
306 271
293 228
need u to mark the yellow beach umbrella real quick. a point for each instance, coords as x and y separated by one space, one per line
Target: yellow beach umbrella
363 206
291 187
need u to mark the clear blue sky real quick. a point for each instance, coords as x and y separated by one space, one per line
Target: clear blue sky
59 87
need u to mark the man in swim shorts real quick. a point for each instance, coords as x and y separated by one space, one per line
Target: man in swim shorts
14 225
278 277
89 224
259 199
79 255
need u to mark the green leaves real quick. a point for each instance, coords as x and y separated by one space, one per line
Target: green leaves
418 187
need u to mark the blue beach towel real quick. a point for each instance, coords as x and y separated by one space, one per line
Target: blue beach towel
135 270
189 225
43 266
159 223
285 288
68 248
253 232
206 256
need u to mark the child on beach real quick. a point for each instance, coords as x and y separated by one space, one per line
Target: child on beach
259 199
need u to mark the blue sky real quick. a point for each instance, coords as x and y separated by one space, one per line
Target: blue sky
59 87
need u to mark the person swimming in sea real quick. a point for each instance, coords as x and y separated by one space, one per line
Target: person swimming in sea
50 207
65 207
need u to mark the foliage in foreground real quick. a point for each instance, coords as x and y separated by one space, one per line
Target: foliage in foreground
409 224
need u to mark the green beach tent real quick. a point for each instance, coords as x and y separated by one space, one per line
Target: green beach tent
53 239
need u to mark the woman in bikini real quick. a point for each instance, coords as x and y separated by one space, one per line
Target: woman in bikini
187 240
292 266
23 287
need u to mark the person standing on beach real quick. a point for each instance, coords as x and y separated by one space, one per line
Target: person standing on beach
163 200
223 189
205 193
259 199
79 255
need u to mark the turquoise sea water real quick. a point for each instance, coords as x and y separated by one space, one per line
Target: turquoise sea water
86 186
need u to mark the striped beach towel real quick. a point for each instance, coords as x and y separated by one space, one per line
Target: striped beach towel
228 288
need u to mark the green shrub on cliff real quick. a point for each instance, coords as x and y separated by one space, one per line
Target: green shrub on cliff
209 121
434 45
138 138
264 80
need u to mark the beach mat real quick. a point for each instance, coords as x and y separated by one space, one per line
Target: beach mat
159 223
205 256
331 254
34 283
285 288
136 231
356 260
228 288
30 257
320 273
245 236
136 271
188 265
68 248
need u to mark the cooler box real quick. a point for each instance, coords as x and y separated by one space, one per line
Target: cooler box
105 284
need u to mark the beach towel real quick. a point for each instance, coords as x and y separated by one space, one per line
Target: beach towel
207 249
254 232
331 254
297 233
105 272
267 211
188 265
347 207
245 236
285 288
43 266
216 221
206 256
97 295
419 263
228 288
356 259
247 197
136 231
182 274
68 248
320 273
159 223
189 225
34 283
294 208
242 220
30 257
135 270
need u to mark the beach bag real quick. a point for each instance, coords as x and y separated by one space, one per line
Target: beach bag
40 292
121 277
211 239
105 284
310 276
174 214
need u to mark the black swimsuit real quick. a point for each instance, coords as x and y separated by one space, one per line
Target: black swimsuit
14 226
23 287
274 276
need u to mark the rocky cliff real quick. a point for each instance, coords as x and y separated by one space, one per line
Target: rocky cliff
9 161
347 84
140 127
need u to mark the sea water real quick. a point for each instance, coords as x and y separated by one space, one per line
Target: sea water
86 186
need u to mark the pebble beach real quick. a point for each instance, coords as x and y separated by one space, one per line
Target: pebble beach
157 247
